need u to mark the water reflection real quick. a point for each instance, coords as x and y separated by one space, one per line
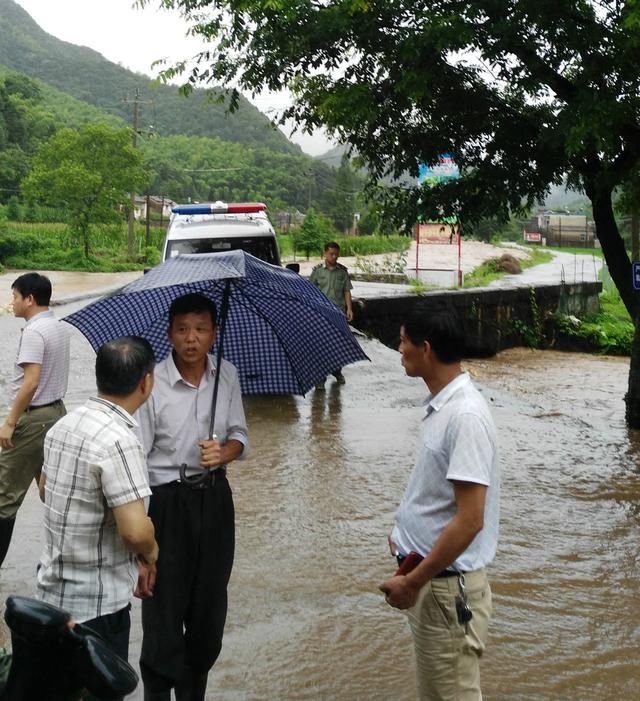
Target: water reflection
315 500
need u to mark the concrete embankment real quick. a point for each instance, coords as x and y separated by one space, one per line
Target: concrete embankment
495 319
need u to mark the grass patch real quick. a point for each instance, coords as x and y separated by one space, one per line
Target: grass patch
488 271
354 245
597 252
610 331
538 256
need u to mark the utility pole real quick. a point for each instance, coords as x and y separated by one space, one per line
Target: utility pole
130 236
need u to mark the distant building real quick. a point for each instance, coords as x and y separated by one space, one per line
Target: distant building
283 221
159 207
560 229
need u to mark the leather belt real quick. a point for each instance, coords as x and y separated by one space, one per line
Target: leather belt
444 573
33 407
208 480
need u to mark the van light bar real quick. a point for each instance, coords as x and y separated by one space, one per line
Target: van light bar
220 208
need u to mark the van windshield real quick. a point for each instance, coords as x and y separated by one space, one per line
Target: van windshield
261 247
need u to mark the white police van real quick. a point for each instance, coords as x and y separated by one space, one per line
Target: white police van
219 226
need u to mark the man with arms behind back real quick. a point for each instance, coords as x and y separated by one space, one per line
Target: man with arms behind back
332 278
448 515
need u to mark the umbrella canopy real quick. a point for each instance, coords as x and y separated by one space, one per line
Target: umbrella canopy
282 334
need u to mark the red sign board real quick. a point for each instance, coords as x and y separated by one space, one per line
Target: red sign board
534 236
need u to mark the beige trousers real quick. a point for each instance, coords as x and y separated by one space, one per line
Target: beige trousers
447 653
23 463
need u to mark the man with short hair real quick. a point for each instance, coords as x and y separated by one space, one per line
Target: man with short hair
183 623
38 387
332 278
98 538
448 515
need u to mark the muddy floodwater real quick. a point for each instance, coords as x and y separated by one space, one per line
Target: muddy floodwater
315 501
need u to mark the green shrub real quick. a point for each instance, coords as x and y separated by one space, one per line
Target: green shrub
353 245
55 246
12 245
610 331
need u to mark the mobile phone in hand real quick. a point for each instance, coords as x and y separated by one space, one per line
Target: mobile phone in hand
410 562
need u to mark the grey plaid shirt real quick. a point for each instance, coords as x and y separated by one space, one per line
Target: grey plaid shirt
93 462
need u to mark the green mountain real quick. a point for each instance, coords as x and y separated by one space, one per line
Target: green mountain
87 76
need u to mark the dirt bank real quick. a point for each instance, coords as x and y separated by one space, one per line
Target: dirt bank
437 256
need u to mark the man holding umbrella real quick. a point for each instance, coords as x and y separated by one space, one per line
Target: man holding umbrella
191 506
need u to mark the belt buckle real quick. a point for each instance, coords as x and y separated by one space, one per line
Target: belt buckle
207 482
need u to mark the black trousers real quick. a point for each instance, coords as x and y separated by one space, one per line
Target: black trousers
184 621
114 629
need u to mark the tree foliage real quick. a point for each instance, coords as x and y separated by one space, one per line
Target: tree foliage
23 123
90 171
89 77
189 168
183 168
520 92
314 232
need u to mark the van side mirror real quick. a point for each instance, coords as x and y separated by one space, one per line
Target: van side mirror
293 266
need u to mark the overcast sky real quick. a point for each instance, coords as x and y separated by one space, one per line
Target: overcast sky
135 39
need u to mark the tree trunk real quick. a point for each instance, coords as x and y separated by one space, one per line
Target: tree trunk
620 269
632 397
613 248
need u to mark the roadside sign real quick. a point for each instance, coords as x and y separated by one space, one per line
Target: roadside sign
445 169
636 274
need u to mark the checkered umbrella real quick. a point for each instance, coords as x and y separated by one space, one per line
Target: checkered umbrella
282 334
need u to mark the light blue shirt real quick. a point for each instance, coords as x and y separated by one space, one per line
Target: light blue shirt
177 415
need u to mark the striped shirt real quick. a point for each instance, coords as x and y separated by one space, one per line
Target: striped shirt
93 462
44 342
457 442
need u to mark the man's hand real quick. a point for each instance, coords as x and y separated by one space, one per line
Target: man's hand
349 314
400 592
210 453
146 579
6 433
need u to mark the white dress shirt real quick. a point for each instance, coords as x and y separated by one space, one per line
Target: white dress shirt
457 441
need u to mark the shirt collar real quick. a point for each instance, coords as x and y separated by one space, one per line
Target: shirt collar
107 407
40 315
435 403
174 376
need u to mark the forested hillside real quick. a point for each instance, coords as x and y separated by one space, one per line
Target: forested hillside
88 76
180 167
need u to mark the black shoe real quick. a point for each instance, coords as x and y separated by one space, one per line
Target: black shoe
339 377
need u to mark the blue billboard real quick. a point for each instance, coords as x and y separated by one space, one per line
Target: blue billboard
444 169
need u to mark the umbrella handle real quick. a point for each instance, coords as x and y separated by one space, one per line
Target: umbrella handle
193 480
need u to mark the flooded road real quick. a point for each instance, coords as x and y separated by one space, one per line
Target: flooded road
315 500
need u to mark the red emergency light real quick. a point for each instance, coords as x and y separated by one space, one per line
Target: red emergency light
220 208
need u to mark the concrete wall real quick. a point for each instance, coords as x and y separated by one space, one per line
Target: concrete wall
495 319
